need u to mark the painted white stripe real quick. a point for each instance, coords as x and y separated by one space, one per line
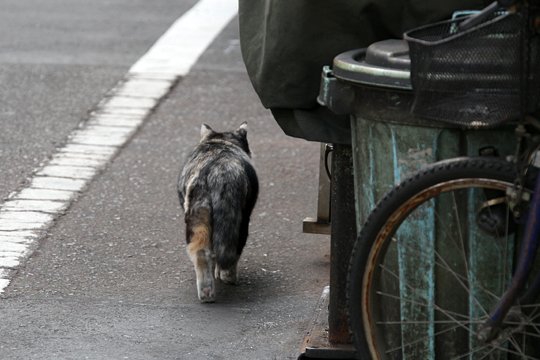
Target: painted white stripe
17 234
46 206
127 102
4 282
13 247
112 121
56 183
11 263
70 172
25 216
153 89
88 149
138 112
31 211
77 161
180 47
43 194
16 239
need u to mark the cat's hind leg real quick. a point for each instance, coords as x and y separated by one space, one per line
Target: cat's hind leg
199 249
229 275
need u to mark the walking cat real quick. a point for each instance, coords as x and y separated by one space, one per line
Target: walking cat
218 188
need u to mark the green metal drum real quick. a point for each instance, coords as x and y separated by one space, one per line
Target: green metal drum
389 143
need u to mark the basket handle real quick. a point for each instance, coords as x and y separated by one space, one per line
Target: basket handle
480 17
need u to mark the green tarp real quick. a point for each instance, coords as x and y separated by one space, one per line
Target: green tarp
285 44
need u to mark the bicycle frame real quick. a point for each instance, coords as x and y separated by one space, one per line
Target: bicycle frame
491 328
482 323
529 247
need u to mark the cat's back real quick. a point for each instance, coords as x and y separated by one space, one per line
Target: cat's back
216 159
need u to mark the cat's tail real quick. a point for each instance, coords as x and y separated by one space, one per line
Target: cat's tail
225 244
227 237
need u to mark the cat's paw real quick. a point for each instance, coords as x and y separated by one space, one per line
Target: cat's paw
228 276
206 293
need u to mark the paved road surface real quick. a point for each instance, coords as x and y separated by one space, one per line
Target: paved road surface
110 279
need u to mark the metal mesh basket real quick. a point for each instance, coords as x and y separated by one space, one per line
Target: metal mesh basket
469 78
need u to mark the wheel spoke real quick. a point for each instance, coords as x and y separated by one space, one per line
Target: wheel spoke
461 242
444 312
461 248
509 351
475 350
431 273
516 346
444 265
422 339
420 322
535 335
415 302
425 305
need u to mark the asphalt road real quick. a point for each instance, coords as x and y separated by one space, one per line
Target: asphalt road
111 279
57 60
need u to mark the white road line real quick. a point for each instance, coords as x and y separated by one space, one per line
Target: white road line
180 47
28 213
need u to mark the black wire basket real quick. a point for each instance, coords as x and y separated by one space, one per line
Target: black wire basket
474 78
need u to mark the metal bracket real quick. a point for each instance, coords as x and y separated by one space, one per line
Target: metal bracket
336 95
321 224
316 344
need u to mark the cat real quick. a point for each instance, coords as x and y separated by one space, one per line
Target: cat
218 189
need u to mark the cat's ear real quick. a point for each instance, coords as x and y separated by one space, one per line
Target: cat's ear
242 130
206 131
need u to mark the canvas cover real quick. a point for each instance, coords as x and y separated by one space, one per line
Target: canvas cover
285 44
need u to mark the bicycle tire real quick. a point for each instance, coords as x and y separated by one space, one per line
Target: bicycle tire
387 232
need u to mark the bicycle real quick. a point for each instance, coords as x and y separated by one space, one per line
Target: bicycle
418 288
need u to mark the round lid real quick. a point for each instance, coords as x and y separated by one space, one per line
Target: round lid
384 63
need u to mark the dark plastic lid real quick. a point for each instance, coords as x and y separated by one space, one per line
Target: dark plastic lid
384 63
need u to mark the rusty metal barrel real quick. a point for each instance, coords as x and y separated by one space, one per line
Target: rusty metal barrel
389 142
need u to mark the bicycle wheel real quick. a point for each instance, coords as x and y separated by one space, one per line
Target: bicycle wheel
433 258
